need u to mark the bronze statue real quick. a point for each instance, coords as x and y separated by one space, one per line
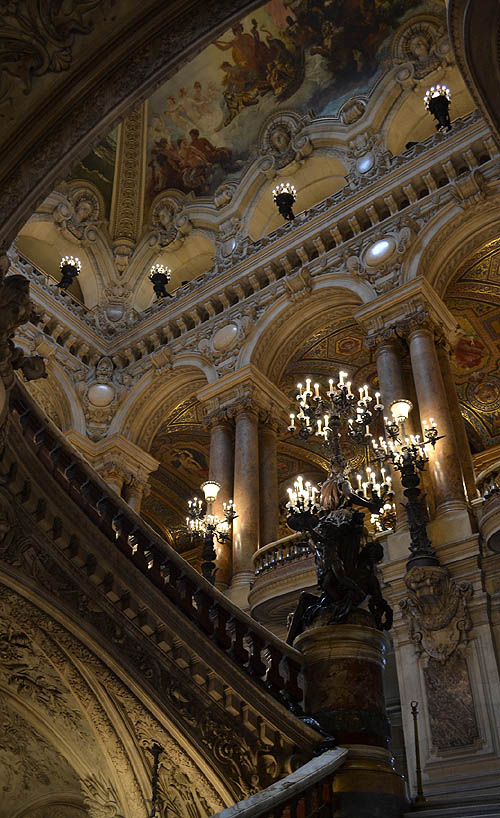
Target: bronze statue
345 558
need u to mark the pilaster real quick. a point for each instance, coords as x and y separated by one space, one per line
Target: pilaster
128 188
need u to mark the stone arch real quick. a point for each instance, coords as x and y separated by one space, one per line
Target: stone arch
455 232
116 770
276 333
49 688
141 416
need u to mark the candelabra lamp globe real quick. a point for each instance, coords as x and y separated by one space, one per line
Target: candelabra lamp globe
70 267
437 101
159 277
285 196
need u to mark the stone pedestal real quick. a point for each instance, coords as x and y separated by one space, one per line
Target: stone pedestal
343 692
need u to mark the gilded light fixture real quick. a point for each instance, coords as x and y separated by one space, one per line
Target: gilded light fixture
70 267
160 276
201 523
437 101
285 195
407 454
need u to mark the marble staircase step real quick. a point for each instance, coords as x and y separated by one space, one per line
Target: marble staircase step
485 809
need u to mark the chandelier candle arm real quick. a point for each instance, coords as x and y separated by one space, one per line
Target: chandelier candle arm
202 523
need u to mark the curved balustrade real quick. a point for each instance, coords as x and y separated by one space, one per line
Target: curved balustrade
263 656
288 549
488 484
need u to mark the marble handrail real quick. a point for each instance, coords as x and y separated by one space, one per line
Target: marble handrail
306 792
256 650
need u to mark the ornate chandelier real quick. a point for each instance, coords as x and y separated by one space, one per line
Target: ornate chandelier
345 558
437 101
407 454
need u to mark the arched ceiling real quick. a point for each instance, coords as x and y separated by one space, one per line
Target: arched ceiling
473 297
228 118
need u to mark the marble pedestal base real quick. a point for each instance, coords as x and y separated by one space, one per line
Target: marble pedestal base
343 692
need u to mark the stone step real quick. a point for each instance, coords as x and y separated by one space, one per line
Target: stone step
488 809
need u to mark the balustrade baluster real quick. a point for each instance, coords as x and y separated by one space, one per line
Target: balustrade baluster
274 681
123 526
292 688
221 635
237 651
204 604
108 510
256 666
187 590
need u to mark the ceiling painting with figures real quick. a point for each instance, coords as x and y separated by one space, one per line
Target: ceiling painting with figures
303 55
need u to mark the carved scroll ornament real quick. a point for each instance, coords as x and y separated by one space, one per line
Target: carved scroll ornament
437 611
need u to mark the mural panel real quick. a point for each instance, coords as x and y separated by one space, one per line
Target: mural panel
99 168
302 54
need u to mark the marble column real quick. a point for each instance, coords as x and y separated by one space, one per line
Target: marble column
392 387
221 469
461 438
246 501
444 465
268 480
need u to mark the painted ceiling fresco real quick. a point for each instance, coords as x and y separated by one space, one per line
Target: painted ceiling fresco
99 168
300 54
474 299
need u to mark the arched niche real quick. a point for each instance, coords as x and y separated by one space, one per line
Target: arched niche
194 257
42 244
411 122
315 179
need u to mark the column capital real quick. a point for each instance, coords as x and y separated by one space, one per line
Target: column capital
218 417
116 454
269 420
240 390
413 306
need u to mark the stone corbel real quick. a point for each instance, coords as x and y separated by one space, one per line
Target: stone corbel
298 285
469 189
436 610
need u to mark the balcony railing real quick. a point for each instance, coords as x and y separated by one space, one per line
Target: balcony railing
286 550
